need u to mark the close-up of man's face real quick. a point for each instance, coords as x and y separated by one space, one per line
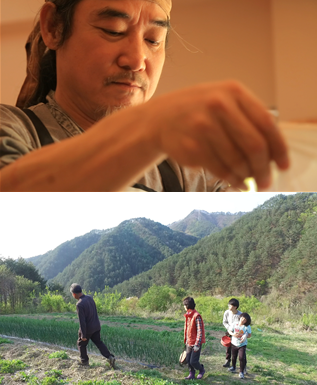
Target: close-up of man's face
114 56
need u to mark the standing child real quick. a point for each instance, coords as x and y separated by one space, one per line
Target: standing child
194 337
240 331
230 316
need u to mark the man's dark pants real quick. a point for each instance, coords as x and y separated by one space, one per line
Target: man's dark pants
95 338
192 358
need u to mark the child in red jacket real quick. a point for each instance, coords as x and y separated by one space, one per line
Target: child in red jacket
194 337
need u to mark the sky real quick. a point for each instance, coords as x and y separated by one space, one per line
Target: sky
33 223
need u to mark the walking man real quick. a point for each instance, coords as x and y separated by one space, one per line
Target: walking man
89 326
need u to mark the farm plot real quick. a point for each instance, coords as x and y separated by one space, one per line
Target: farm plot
275 356
149 346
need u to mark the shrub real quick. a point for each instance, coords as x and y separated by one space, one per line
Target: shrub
309 320
159 298
128 306
53 302
106 302
61 354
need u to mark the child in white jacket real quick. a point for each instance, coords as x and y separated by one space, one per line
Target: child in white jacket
240 331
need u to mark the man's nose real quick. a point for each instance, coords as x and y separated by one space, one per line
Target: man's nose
133 55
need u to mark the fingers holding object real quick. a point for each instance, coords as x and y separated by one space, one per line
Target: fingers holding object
248 151
264 122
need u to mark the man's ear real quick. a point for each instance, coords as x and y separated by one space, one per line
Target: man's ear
50 28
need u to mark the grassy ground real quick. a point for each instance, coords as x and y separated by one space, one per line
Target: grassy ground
275 356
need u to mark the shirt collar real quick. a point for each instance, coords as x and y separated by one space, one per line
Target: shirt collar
62 118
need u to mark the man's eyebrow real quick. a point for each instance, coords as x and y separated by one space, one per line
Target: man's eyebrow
161 23
109 13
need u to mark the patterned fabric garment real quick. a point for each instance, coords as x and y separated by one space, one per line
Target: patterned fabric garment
199 326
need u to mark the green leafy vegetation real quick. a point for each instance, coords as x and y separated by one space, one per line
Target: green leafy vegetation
51 302
7 366
99 382
16 292
279 355
5 341
145 345
61 354
160 298
52 378
53 381
27 378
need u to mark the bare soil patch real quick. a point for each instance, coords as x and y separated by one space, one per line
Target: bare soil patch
36 357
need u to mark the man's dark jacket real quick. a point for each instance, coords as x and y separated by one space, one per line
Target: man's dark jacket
88 317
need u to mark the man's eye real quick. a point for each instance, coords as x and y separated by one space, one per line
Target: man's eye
112 33
153 42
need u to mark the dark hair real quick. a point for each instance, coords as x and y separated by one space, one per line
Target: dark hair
247 317
65 10
75 288
234 302
189 303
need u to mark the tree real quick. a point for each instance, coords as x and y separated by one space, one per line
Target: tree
25 269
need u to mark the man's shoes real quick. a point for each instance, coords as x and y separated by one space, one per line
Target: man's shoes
227 364
201 373
245 370
241 375
191 376
111 360
232 369
83 363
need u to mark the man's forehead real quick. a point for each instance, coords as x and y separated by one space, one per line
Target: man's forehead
166 5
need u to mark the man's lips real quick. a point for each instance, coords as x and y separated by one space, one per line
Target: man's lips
132 85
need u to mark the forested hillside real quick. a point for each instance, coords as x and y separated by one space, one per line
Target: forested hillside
132 247
200 223
55 261
273 247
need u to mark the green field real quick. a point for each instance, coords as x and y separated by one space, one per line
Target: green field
275 356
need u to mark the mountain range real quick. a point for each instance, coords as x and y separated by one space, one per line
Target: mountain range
269 250
200 223
107 257
272 248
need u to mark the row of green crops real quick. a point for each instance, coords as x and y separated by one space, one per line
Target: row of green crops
149 346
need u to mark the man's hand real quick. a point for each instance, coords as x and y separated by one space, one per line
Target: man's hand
221 127
196 348
84 339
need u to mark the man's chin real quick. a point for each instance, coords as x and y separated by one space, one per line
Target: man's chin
104 111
